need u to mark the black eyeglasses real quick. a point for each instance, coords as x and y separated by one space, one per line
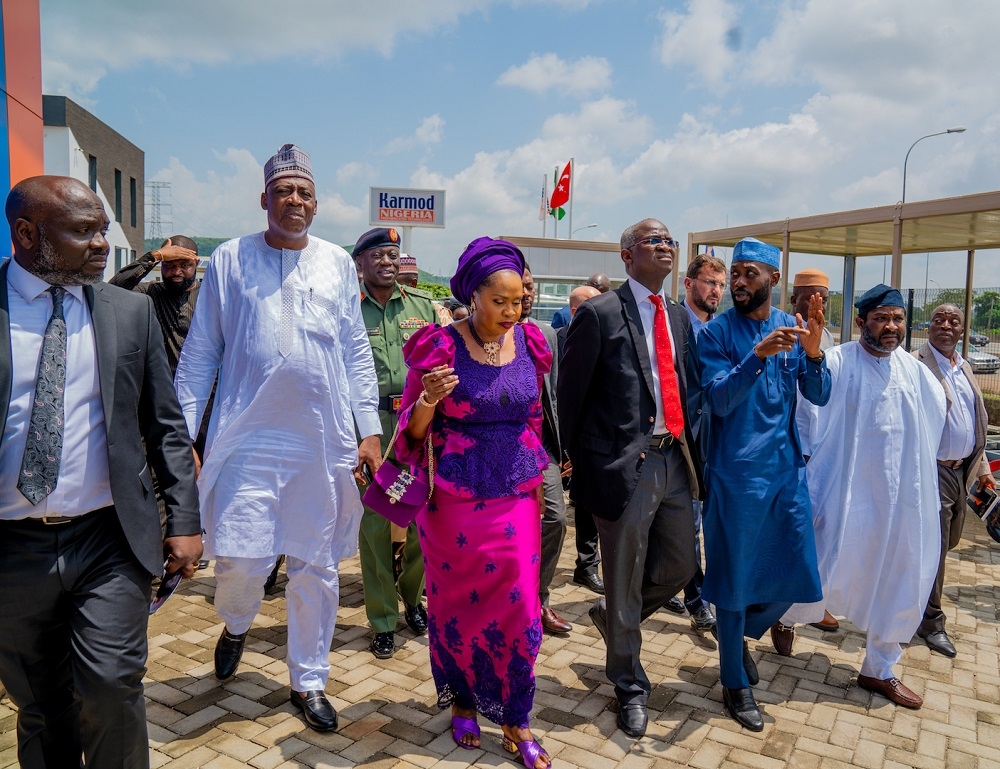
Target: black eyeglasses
656 241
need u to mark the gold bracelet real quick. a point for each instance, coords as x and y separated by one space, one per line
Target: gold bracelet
424 401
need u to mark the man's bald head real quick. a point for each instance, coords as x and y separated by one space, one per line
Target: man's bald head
57 225
600 281
579 295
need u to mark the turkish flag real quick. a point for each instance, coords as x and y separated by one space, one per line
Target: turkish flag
560 195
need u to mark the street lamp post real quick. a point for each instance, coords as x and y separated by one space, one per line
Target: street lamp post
585 227
956 130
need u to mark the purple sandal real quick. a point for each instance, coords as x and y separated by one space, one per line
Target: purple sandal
462 728
529 751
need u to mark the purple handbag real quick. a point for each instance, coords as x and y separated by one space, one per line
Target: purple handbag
396 494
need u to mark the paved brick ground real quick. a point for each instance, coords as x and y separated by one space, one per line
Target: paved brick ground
815 716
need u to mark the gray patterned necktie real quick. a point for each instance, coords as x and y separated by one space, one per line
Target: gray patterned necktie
43 448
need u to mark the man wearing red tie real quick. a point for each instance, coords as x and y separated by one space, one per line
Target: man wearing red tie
627 375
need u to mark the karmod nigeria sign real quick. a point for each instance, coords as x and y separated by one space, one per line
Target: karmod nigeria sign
404 207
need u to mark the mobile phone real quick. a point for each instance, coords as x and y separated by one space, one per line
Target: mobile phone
366 473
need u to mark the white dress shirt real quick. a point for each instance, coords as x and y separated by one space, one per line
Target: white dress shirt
84 482
647 312
959 436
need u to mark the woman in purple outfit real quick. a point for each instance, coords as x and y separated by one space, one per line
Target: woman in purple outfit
475 385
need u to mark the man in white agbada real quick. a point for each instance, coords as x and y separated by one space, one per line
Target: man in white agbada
279 320
873 486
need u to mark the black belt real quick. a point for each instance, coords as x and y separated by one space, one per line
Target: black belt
661 441
59 520
390 403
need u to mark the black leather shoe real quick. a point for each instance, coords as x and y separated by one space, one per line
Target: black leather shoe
590 580
316 709
703 621
939 642
749 666
676 605
416 618
632 719
599 619
228 651
743 708
273 576
383 645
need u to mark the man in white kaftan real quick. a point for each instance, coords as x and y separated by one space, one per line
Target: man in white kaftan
873 485
279 319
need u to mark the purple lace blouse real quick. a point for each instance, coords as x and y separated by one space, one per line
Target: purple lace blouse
487 434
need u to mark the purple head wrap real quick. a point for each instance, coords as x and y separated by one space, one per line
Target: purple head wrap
481 258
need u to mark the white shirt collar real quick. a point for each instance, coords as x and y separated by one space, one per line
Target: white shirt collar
641 293
30 286
945 364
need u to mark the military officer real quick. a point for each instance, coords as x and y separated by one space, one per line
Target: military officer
392 313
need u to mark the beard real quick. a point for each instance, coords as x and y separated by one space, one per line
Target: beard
874 343
47 267
756 301
179 288
703 304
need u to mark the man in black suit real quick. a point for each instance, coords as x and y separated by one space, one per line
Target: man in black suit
627 374
85 382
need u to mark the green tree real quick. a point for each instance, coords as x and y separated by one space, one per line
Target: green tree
986 310
436 289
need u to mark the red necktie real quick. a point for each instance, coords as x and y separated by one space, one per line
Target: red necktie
673 416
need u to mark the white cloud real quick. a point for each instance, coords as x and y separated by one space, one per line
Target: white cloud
912 54
705 38
83 41
428 133
549 72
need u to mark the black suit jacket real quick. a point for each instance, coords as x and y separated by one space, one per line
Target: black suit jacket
606 399
553 440
139 405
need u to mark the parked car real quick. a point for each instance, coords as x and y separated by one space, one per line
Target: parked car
978 340
981 362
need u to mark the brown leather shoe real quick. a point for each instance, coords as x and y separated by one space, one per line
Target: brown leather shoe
828 624
553 622
892 689
782 636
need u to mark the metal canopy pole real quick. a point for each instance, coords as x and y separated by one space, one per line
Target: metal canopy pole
784 268
969 269
896 273
847 313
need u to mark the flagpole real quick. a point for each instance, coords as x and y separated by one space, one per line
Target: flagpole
545 202
572 181
555 217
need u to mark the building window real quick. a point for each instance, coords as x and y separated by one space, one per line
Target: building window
92 172
121 255
131 255
132 196
118 195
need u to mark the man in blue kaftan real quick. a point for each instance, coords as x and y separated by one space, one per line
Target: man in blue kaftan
759 543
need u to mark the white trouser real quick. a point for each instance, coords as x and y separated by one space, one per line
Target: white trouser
880 656
312 596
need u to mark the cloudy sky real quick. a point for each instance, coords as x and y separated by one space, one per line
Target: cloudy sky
705 113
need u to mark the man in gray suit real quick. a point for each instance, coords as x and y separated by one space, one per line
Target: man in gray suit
961 458
84 382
